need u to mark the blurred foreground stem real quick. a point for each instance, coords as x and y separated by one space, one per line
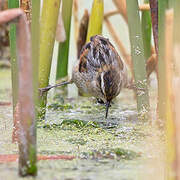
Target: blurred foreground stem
25 107
162 5
168 99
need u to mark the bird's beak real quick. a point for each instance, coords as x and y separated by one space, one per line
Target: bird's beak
107 108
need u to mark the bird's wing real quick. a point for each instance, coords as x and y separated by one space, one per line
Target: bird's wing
98 55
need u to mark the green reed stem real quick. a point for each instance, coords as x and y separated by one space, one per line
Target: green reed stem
96 19
139 63
14 66
48 25
63 53
146 32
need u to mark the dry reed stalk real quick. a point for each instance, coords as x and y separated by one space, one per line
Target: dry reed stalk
83 28
111 13
125 55
151 62
121 5
144 7
76 19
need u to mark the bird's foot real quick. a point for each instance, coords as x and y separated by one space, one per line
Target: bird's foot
100 101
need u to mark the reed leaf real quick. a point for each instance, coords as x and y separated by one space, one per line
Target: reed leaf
137 53
63 53
50 11
96 19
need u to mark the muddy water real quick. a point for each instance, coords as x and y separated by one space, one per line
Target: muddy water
117 148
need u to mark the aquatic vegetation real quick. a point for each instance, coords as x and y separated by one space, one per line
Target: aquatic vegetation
125 154
74 139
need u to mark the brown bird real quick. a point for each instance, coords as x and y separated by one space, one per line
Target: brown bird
100 72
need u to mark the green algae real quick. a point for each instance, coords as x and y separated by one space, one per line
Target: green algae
56 106
126 154
117 147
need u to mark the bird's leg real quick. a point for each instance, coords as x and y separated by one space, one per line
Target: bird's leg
108 104
43 90
100 101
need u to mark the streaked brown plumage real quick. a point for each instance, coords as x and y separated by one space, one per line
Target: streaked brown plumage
100 72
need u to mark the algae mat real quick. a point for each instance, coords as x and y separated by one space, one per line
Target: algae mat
117 148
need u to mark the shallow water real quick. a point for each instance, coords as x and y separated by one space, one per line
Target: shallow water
120 147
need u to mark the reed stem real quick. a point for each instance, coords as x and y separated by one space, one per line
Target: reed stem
162 5
48 25
63 53
35 32
176 20
169 100
154 17
121 6
139 63
95 19
14 64
146 32
25 113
